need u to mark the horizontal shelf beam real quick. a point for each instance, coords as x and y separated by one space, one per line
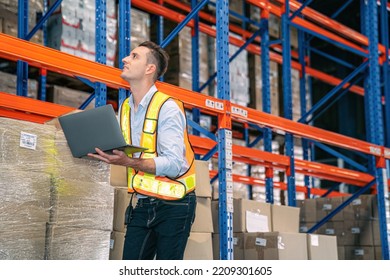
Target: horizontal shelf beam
279 185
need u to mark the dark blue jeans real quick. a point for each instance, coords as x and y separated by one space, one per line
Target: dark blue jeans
159 228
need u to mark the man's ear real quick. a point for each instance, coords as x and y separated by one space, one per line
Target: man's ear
151 68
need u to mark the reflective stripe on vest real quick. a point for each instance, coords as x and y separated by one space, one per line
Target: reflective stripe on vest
149 184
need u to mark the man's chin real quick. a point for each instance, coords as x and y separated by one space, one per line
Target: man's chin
124 76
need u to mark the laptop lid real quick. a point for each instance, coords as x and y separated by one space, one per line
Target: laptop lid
94 128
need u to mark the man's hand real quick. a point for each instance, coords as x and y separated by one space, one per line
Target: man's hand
117 158
120 158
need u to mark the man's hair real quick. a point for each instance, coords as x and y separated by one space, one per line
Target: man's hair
158 57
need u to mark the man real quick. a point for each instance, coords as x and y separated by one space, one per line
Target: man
163 177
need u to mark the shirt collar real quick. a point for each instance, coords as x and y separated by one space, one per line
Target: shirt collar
146 99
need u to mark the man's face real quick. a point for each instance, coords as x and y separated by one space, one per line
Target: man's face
135 66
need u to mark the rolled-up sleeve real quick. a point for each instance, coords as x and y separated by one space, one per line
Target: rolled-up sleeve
170 141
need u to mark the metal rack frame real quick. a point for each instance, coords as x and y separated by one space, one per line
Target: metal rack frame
373 51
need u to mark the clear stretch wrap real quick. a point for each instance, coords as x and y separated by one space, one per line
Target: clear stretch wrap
52 206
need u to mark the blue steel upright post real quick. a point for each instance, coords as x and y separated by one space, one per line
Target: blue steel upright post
22 67
124 24
287 102
195 63
266 92
101 49
303 93
373 111
386 67
224 135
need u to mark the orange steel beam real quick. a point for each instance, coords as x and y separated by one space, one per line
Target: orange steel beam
304 23
53 60
19 115
257 157
279 185
33 106
331 24
345 175
157 9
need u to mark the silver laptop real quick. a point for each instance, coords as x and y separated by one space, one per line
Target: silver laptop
94 128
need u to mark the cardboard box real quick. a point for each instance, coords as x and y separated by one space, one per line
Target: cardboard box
27 145
215 215
359 253
203 186
360 208
121 202
359 232
238 246
275 246
285 218
376 235
308 210
75 243
199 247
335 229
326 205
203 218
341 252
118 176
378 253
321 247
117 242
21 241
251 216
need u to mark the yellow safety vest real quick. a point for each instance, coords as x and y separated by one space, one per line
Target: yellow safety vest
150 184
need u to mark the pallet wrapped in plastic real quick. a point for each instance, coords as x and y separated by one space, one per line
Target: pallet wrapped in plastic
24 211
43 188
27 146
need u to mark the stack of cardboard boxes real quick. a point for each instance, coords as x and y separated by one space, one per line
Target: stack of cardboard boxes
72 27
118 181
264 231
199 243
66 203
355 226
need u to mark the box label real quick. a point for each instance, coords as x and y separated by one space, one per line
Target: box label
357 201
327 207
28 140
314 240
359 252
281 245
261 242
112 241
355 230
329 231
256 222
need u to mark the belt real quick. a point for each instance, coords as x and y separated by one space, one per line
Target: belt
150 198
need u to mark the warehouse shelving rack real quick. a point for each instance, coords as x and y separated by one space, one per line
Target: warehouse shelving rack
227 112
